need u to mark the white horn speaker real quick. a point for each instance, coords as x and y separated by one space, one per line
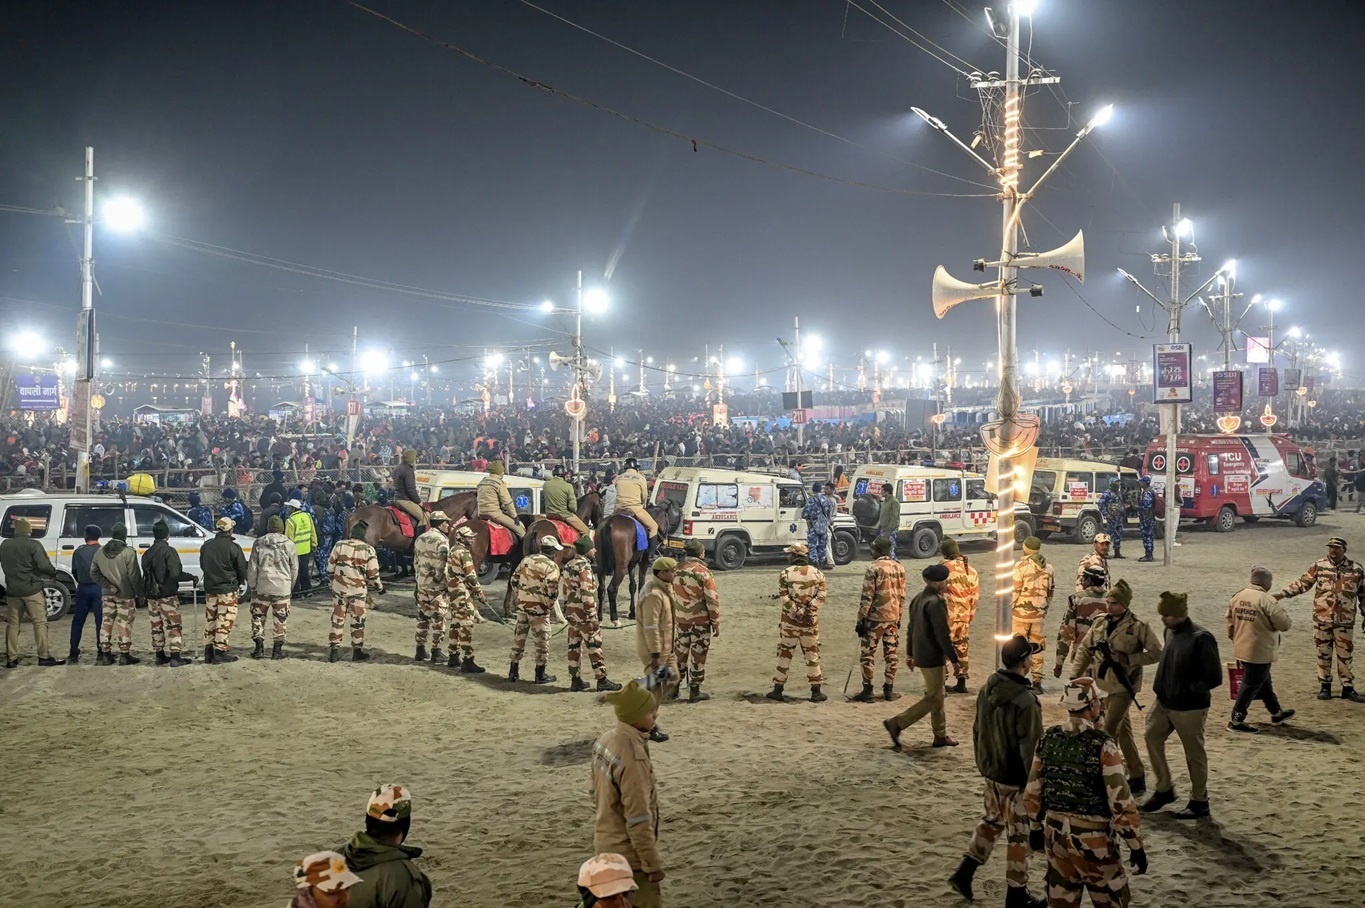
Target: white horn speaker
1068 259
594 369
949 291
556 360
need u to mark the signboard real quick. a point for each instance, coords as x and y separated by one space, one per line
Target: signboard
206 405
353 407
789 401
798 417
1078 491
1227 391
1270 382
720 415
86 342
80 406
1172 375
914 490
1293 379
37 392
1258 349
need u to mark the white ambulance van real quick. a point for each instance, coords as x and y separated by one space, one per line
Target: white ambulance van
935 502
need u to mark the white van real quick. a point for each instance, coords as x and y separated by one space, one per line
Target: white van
737 514
935 502
59 520
433 485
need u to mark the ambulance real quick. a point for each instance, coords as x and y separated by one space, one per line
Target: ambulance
1225 477
936 501
433 485
1064 496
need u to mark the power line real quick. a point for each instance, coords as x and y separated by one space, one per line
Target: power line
963 72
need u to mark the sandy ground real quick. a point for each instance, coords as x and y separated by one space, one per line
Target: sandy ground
200 786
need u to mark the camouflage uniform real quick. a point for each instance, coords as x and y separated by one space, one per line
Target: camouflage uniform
801 588
1140 645
353 566
220 614
578 592
1083 609
1338 591
429 556
278 608
1078 796
118 622
167 624
818 514
466 595
1095 560
1113 511
962 595
1147 521
1034 585
696 616
879 607
535 587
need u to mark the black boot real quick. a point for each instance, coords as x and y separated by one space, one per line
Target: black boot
542 678
421 654
657 736
128 659
889 693
1137 785
162 658
817 695
221 655
358 654
606 685
1158 800
48 661
470 667
334 653
961 880
74 658
577 684
437 656
775 693
208 654
1019 897
177 660
454 661
695 695
514 672
259 651
865 696
960 687
277 650
1194 810
1349 693
1326 692
104 658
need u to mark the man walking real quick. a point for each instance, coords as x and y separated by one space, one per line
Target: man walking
1079 807
578 593
1255 620
1009 723
1338 592
353 567
929 647
466 595
303 532
89 598
1098 557
1188 670
1034 584
801 589
654 634
162 575
625 796
224 569
116 570
270 577
963 595
1147 508
879 619
818 514
26 566
696 616
1117 648
889 515
1083 609
535 587
430 555
381 857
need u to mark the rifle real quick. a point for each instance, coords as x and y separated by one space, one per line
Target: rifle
1107 663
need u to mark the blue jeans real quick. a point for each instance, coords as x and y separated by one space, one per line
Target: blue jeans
89 601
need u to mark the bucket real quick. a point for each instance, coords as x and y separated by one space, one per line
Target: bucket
1234 680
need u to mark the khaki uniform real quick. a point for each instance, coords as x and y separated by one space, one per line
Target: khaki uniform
1083 609
561 502
352 567
465 595
802 590
963 595
535 587
880 605
632 493
696 617
1338 592
1095 560
654 633
1133 638
1034 584
495 504
429 556
626 821
578 593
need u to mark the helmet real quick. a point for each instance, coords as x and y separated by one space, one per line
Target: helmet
559 471
631 464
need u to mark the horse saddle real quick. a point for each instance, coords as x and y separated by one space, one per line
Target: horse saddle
567 534
500 539
641 536
403 519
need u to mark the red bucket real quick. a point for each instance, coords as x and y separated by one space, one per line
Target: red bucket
1234 680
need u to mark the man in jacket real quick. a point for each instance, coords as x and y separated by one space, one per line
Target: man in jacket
405 493
1009 722
353 567
578 592
116 570
269 494
632 496
1096 558
889 515
89 596
1255 620
801 590
624 793
224 568
379 855
1034 584
963 595
495 502
162 575
430 554
273 507
466 595
879 619
535 589
560 501
270 577
1188 670
1083 609
1338 585
818 514
303 532
1130 644
26 566
696 615
929 647
199 512
654 642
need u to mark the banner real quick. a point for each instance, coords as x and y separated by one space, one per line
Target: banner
37 392
1270 383
1258 349
1172 373
1227 392
1293 379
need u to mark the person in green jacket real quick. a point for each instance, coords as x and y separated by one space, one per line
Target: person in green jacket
889 519
561 502
389 878
26 566
303 532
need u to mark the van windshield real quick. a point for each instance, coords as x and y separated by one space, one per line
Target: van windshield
675 493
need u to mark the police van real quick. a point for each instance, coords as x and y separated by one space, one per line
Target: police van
936 501
1064 496
59 520
737 514
433 485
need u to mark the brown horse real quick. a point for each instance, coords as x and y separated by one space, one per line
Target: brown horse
382 531
589 511
618 558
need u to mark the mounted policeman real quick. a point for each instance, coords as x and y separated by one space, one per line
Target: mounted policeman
405 494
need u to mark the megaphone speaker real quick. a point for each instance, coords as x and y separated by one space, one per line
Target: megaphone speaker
1068 259
949 291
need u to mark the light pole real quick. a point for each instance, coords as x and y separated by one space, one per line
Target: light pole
595 301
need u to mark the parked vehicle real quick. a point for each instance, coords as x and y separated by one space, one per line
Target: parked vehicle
935 502
1064 496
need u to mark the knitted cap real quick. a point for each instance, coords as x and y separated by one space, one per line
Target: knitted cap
1175 605
881 545
949 548
1033 544
1121 592
119 532
632 702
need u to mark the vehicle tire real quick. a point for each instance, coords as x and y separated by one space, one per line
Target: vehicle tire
1251 518
56 600
924 543
1308 515
1226 520
1023 529
843 546
1087 528
866 510
488 572
729 555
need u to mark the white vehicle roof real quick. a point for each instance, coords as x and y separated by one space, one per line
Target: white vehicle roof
469 479
911 471
718 474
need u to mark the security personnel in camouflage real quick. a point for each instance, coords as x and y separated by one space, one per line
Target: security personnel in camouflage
963 596
1338 585
1114 512
879 618
1079 806
696 616
578 592
1147 519
466 595
1034 584
801 589
353 566
1098 558
535 587
430 553
1083 609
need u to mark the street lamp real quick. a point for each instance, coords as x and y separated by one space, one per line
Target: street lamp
595 300
123 214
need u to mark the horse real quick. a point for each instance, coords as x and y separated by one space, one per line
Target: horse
382 531
589 511
617 556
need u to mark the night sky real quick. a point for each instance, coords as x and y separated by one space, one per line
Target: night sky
315 133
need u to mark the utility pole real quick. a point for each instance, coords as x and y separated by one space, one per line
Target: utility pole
611 382
576 424
86 353
801 426
644 388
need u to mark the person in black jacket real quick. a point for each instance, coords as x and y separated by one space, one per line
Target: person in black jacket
1009 722
930 646
162 575
89 596
1189 669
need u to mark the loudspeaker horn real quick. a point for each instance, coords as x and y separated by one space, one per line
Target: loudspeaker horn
949 291
1068 259
557 360
593 369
